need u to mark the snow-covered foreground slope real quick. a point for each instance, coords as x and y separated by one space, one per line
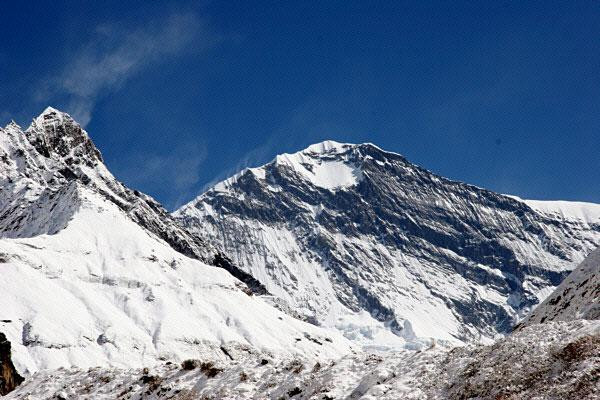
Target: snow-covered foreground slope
547 361
553 360
103 291
94 274
390 254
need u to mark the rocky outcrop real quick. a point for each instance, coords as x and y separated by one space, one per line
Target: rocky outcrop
577 297
9 377
56 133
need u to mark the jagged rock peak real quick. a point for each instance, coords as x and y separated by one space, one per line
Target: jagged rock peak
12 125
55 132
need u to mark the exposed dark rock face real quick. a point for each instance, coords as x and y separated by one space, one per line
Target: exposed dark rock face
55 132
9 377
390 238
254 285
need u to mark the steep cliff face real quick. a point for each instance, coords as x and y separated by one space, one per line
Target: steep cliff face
9 377
360 239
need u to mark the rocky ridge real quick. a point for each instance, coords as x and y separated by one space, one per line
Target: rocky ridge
577 297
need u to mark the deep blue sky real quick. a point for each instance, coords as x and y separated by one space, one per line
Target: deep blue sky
504 95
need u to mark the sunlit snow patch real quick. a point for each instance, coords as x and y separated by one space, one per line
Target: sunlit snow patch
575 210
332 175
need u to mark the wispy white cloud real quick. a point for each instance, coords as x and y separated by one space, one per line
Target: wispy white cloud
252 158
174 174
117 53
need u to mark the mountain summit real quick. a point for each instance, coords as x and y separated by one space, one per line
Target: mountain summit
55 132
389 253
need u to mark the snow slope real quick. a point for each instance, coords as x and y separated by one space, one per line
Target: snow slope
387 252
568 210
88 281
103 291
547 361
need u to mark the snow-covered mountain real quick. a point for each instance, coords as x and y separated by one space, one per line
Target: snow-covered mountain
38 167
100 279
359 239
95 274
